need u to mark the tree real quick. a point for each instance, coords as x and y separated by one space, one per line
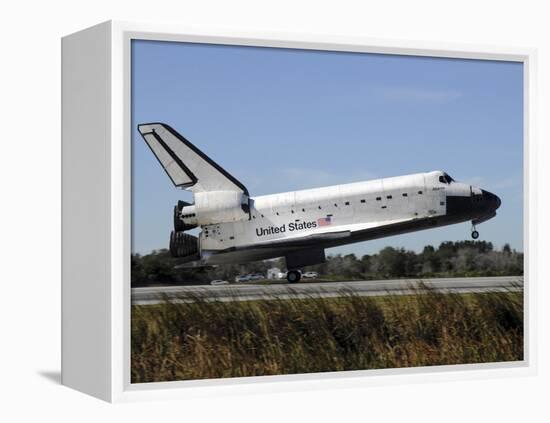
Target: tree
391 262
449 259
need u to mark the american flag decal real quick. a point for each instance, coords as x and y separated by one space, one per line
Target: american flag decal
324 221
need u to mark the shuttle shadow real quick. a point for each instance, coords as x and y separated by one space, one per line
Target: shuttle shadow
53 376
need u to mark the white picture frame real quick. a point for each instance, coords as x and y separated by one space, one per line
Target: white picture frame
96 181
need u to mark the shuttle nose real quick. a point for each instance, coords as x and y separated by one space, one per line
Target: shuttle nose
492 200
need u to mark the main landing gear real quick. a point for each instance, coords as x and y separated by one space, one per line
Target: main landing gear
293 276
475 234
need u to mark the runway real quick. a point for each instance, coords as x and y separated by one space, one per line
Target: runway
248 292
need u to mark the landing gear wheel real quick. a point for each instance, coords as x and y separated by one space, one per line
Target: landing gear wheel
293 276
475 234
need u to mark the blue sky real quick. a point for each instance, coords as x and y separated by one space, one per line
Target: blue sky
282 119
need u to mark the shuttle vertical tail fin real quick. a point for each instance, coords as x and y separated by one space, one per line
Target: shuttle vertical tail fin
185 164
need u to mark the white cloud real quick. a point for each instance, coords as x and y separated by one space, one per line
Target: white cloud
511 182
477 181
304 177
301 178
418 95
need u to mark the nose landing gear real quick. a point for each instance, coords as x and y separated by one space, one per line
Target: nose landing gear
475 233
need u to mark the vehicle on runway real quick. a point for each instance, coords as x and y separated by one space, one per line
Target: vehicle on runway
256 277
217 282
300 225
242 278
310 275
275 273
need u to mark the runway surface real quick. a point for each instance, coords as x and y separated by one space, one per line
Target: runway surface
247 292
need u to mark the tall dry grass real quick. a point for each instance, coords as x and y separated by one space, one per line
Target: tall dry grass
213 339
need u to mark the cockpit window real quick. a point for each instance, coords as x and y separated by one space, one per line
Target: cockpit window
445 179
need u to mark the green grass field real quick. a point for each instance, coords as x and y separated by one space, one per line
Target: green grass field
212 339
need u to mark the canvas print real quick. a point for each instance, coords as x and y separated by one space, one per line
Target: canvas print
304 211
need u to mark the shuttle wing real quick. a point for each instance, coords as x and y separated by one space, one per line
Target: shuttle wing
319 240
185 164
326 238
313 240
274 248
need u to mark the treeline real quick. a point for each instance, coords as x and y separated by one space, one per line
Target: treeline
159 268
464 258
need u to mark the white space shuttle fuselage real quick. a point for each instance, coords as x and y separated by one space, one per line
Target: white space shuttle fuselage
299 225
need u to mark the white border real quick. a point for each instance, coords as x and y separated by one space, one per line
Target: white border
121 389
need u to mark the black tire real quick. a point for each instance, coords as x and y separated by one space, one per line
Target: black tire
293 276
475 234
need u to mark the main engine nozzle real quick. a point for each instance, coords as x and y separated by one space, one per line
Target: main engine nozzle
185 216
183 245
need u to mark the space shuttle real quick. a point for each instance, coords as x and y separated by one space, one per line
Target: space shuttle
237 228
